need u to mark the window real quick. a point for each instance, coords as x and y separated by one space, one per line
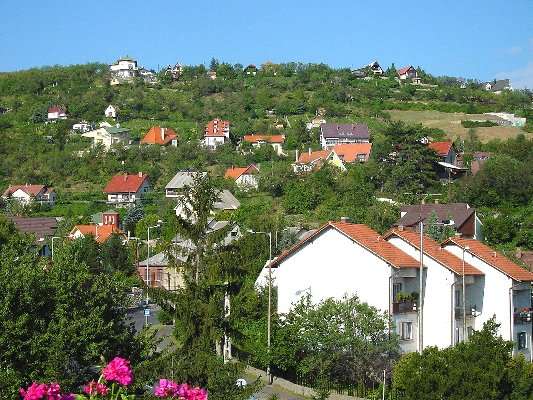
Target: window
522 340
396 288
457 298
406 330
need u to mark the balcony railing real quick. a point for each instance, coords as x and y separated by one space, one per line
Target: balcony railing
523 316
471 311
402 307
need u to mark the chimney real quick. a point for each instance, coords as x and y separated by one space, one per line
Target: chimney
458 234
400 228
110 218
125 177
345 219
140 174
296 155
309 150
162 133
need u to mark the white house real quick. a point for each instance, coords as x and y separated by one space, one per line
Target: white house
408 73
124 188
108 136
26 194
56 112
342 259
507 292
82 126
111 111
443 321
244 177
258 140
216 133
124 70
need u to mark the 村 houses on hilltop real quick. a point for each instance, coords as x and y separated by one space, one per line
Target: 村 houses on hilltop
408 73
498 86
160 136
26 194
257 140
216 133
127 189
124 70
332 134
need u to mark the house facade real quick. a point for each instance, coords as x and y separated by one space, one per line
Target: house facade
258 140
332 134
124 70
314 160
408 73
108 136
111 112
244 177
102 231
507 292
26 194
216 133
127 189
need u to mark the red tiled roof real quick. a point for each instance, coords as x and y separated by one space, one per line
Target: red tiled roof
32 190
100 232
441 148
254 138
235 172
123 183
306 158
435 251
56 109
158 135
493 258
365 237
216 127
404 70
348 152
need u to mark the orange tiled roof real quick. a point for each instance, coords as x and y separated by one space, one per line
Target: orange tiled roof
235 172
493 258
306 158
123 183
158 135
32 190
100 232
435 251
441 148
254 138
348 152
216 127
365 237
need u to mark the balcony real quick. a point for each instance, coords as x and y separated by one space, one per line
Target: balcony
523 316
471 311
403 307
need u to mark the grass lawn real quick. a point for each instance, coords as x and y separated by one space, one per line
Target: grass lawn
451 124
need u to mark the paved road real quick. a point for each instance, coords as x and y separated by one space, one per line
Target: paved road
164 332
267 391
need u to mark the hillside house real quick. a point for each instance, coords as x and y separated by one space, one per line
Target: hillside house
315 122
124 70
448 166
108 136
175 72
506 292
56 112
127 189
353 152
42 228
460 216
180 181
26 194
332 134
101 232
244 177
111 111
82 126
160 136
314 160
226 201
258 140
216 133
408 73
498 86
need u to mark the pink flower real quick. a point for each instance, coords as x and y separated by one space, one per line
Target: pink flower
69 396
166 388
118 370
53 391
36 391
187 392
94 388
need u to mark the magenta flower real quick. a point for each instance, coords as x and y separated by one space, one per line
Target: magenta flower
187 392
36 391
118 370
53 391
95 388
166 388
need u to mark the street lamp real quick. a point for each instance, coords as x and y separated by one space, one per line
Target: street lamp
465 249
159 222
269 234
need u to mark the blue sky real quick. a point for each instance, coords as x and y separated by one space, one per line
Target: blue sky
469 38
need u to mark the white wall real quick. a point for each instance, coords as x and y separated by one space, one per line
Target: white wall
332 265
437 307
247 181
